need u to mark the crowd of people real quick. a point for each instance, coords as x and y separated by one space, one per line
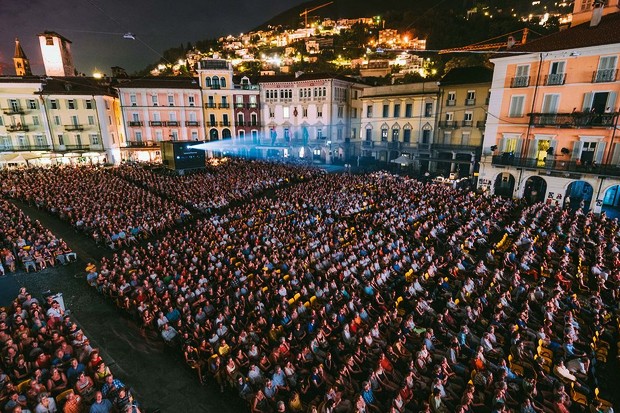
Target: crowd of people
376 293
111 210
26 244
48 365
224 181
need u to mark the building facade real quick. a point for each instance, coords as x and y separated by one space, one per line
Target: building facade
56 52
399 120
463 103
158 109
216 81
552 131
310 116
246 111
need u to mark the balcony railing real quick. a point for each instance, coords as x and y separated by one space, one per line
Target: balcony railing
520 81
252 105
141 144
210 105
135 123
192 123
455 147
212 124
13 111
224 123
17 148
451 102
555 79
467 123
239 105
74 127
448 124
240 123
156 123
470 102
65 148
367 144
481 124
173 123
574 120
17 128
605 75
223 105
557 165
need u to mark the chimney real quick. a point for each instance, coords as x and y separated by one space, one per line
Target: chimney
597 13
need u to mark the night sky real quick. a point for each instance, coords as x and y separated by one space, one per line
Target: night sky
96 27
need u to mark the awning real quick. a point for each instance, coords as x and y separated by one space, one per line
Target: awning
403 160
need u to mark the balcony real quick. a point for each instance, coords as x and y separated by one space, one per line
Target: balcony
451 102
212 124
173 123
210 105
192 123
18 148
239 105
224 123
557 165
574 120
68 148
448 124
223 105
135 123
252 105
241 123
367 144
520 81
455 147
467 123
556 79
394 145
606 75
246 87
141 144
16 110
470 102
76 127
17 128
156 123
481 124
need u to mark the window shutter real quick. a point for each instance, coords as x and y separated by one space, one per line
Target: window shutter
577 146
554 145
611 101
519 147
587 102
600 151
501 144
532 149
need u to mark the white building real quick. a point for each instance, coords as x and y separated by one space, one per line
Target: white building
56 52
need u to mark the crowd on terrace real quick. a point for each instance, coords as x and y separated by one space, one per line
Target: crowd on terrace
224 181
26 244
48 365
376 293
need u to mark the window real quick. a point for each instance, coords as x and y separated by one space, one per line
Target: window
40 140
239 119
89 104
156 117
428 110
94 139
57 120
224 102
368 134
272 114
159 135
384 135
75 120
355 94
54 104
212 120
286 112
522 76
191 100
254 134
135 117
32 104
516 106
304 112
339 133
170 100
340 111
606 69
397 110
468 119
61 139
154 100
195 135
35 120
550 103
470 100
450 116
192 117
319 112
254 119
91 120
172 116
447 137
465 138
369 111
408 110
71 104
223 81
1 121
395 135
49 41
174 135
407 135
132 100
451 99
354 113
225 120
242 134
556 74
386 111
319 133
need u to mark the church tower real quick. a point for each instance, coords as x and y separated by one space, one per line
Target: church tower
21 62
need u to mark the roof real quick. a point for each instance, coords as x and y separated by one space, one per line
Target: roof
76 85
19 52
467 75
306 77
579 36
20 79
51 33
157 82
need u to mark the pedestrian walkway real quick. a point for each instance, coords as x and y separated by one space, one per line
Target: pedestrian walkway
159 379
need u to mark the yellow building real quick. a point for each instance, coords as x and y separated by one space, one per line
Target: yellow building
216 81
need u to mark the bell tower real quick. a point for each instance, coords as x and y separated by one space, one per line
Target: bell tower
21 62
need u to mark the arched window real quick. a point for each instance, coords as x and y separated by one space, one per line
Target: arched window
216 82
222 81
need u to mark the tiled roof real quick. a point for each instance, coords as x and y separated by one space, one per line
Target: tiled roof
304 77
160 82
607 32
467 75
76 85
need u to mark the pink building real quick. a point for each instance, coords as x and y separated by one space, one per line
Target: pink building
552 129
246 109
158 109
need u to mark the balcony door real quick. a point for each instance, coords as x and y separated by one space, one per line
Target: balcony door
551 103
